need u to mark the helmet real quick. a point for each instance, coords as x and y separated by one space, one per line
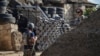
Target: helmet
79 11
31 25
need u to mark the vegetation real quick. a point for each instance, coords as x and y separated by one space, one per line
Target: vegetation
88 11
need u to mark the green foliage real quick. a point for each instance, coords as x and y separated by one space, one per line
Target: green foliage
98 6
88 11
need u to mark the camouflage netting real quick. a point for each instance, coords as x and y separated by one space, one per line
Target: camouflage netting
82 41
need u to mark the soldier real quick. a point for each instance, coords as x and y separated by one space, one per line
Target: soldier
29 38
79 16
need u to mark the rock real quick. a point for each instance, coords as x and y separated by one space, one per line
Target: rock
16 38
10 38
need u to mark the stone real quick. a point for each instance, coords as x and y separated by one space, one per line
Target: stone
7 37
16 39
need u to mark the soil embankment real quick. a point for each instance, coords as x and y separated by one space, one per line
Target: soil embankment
82 41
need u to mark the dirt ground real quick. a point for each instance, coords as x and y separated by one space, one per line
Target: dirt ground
82 41
12 53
